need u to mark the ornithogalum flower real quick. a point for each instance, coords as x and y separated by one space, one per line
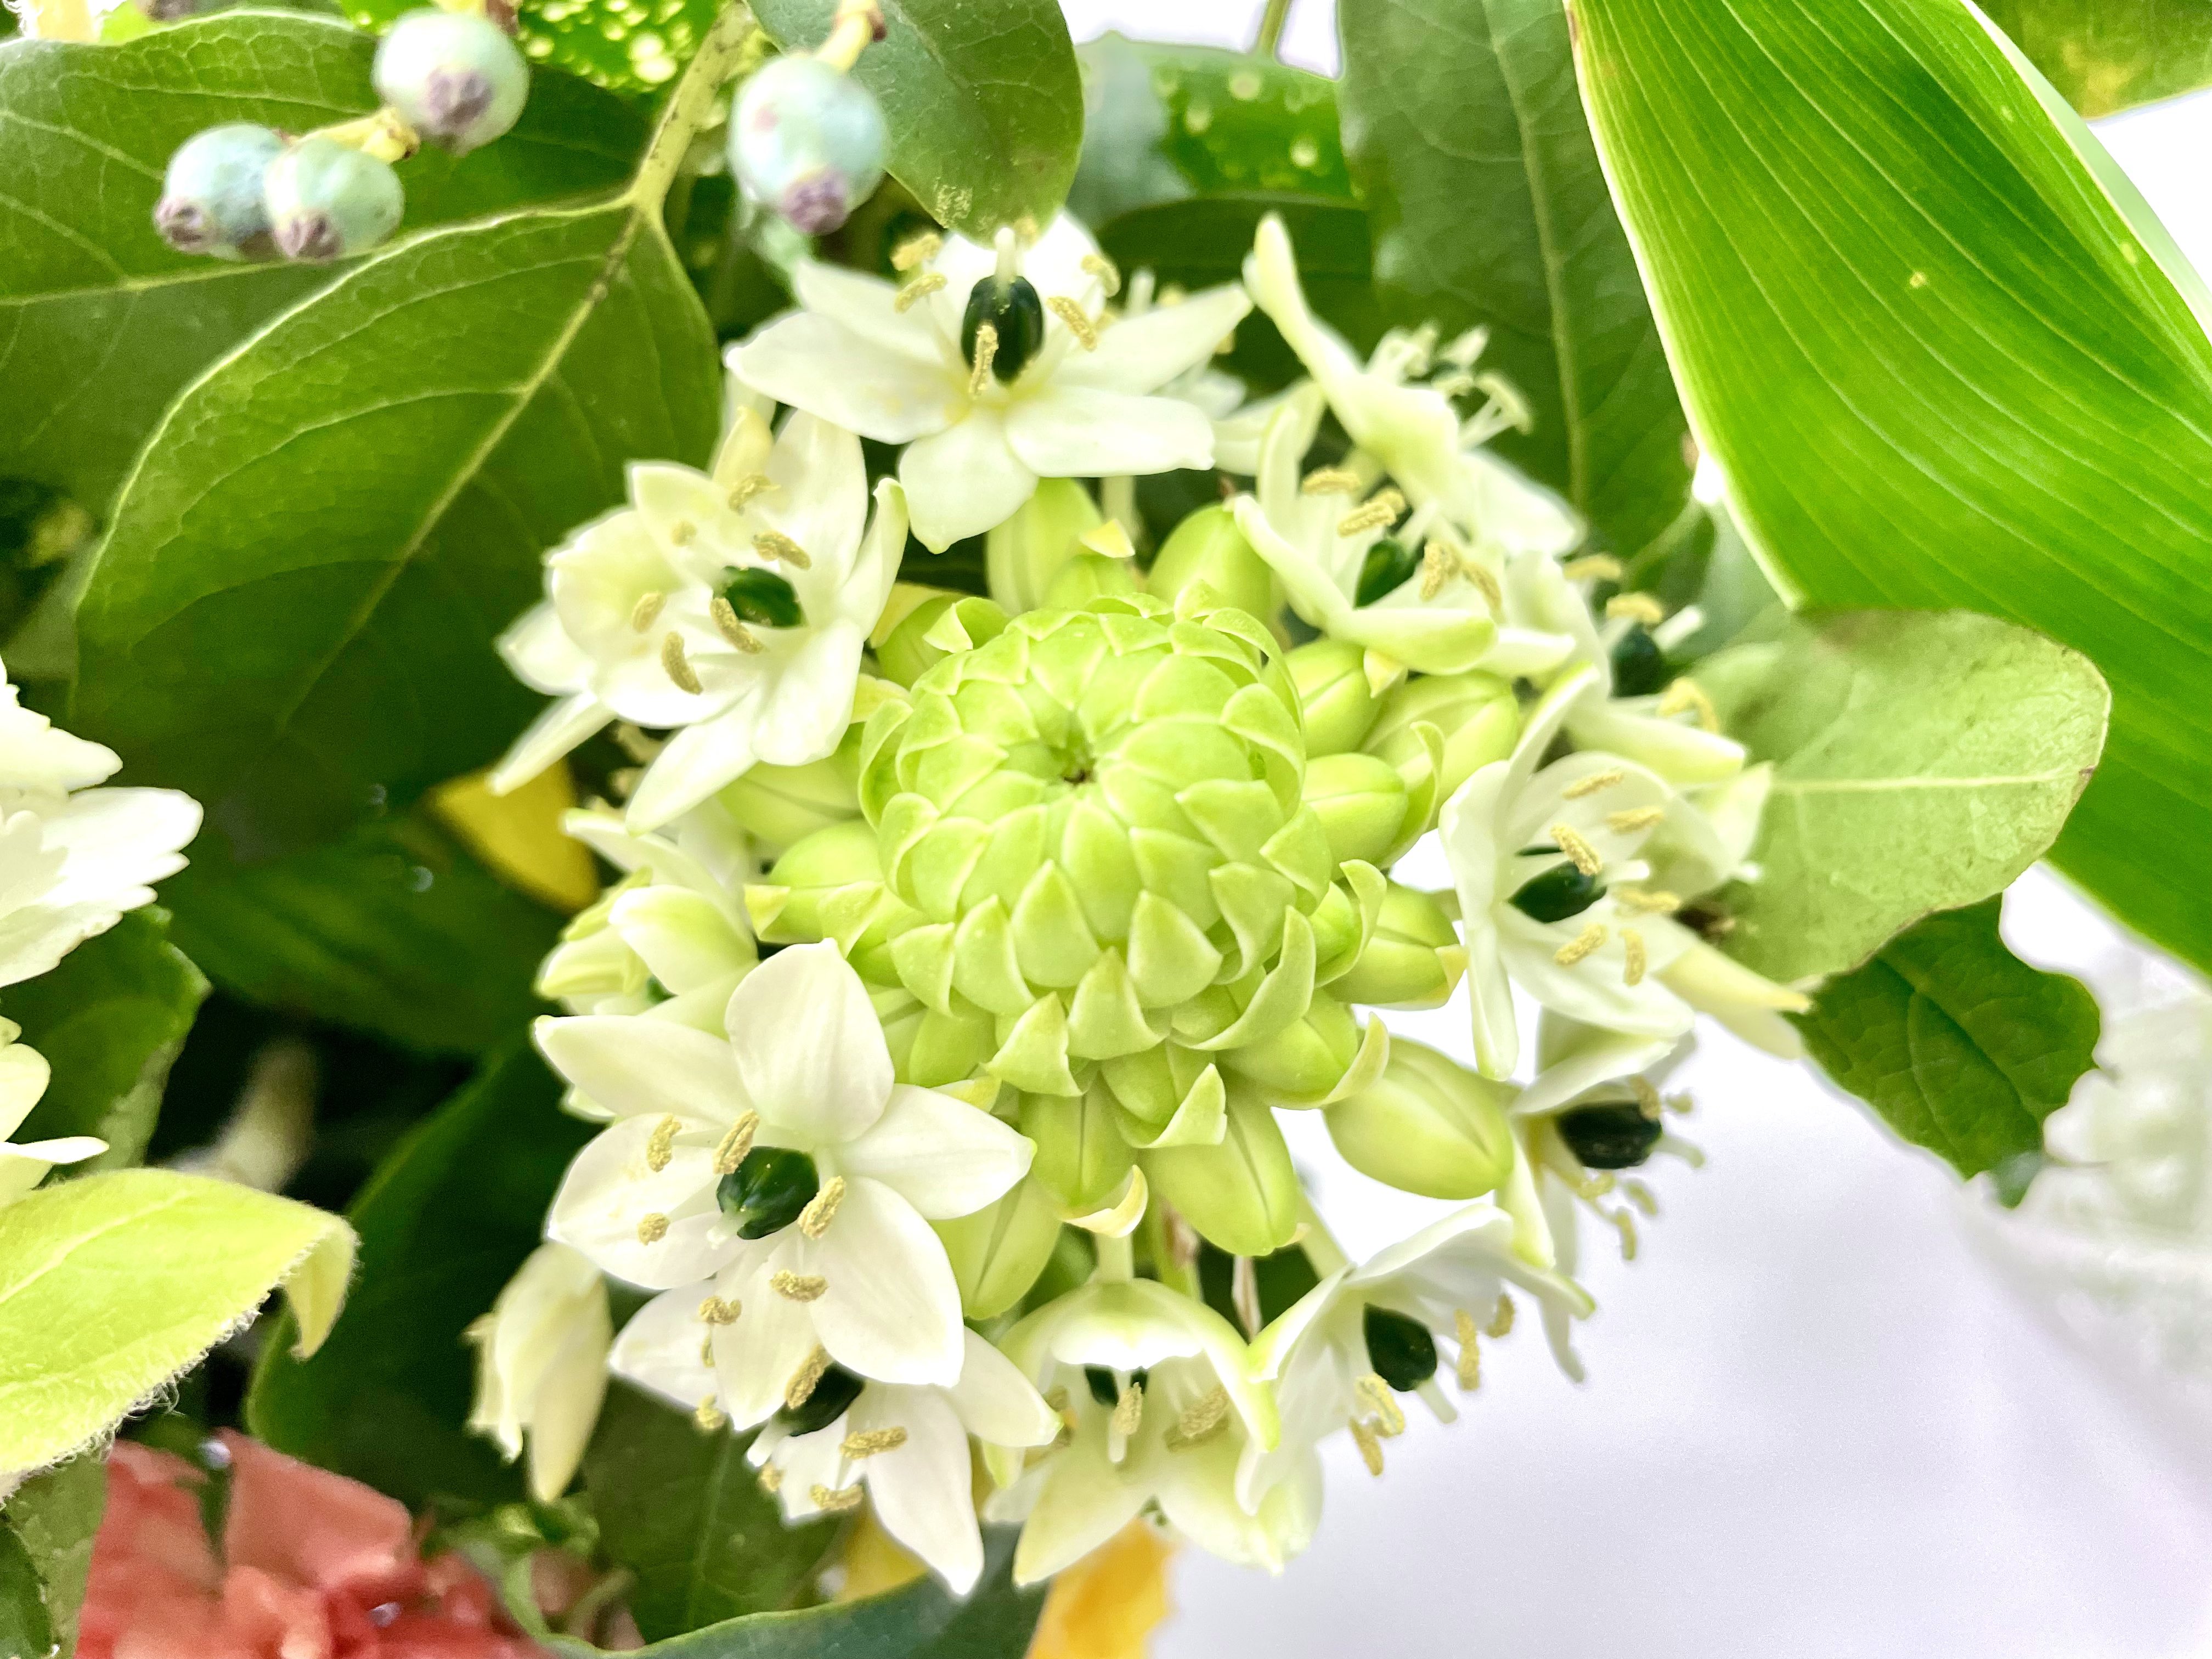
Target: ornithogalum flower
996 366
542 1364
23 1077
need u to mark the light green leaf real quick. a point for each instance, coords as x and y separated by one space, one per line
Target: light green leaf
683 1509
53 1519
1163 122
346 511
111 1285
984 103
2106 55
1468 136
109 1020
443 1223
101 322
1938 364
1920 763
1961 1047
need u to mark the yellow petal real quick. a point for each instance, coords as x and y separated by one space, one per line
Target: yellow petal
1105 1606
518 834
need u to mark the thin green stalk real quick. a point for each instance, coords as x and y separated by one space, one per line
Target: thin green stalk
1271 29
692 105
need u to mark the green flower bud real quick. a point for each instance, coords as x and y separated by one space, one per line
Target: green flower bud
325 201
933 631
1241 1194
1331 676
1476 713
1208 547
780 805
1089 576
998 1252
1024 555
1361 802
829 885
1413 960
456 78
1081 1158
1430 1127
1325 1054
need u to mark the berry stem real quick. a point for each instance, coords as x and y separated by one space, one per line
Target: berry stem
692 104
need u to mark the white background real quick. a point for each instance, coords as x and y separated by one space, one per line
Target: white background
1815 1425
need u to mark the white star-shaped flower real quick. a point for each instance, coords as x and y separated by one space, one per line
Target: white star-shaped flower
23 1078
542 1364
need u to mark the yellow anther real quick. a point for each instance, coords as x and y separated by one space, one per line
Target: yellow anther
1437 568
1647 901
1079 322
774 545
1470 1351
677 666
771 1478
872 1441
1129 1409
1631 946
1637 607
1647 1098
1330 481
1109 277
1385 507
812 1371
1592 568
1641 1196
1501 1322
1630 819
715 1311
1479 573
727 623
1581 945
797 1287
917 251
660 1144
1389 1421
1056 1400
708 1416
1202 1421
1580 852
918 290
1596 1186
1625 1224
752 485
814 1220
647 607
684 532
652 1228
987 348
1687 694
1370 1449
1593 782
1682 1104
730 1150
835 1501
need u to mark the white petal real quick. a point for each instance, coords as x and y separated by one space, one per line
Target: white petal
943 1156
964 481
923 1491
822 367
803 713
542 655
892 1309
659 1349
996 1402
636 1068
550 737
698 761
1085 1502
1679 753
810 1047
686 938
756 1359
1595 990
820 501
610 1190
24 1074
566 1407
868 305
1143 353
1063 431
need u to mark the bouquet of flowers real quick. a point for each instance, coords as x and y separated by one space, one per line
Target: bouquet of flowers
974 614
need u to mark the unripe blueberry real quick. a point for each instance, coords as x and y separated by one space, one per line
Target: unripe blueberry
326 200
807 141
212 195
456 79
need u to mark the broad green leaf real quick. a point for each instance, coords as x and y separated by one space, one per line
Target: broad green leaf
101 322
51 1520
1920 763
1910 316
109 1020
683 1511
345 512
111 1285
394 930
1961 1047
984 103
2106 55
26 1630
1202 242
443 1224
1162 122
1468 136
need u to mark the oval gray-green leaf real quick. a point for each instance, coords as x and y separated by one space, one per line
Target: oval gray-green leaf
1920 763
984 103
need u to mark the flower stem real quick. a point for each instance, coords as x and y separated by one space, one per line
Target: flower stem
692 103
1117 1259
1271 29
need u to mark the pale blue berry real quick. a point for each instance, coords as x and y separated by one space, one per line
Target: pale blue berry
327 200
457 80
211 195
807 141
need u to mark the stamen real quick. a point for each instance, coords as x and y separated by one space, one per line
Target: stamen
1129 1409
752 485
1637 607
1686 693
1370 1449
1501 1322
1593 566
1078 324
1682 1104
1244 1293
1385 507
1647 1098
918 290
731 1150
1470 1352
707 1351
1625 1224
715 1311
1389 1421
677 666
1330 481
660 1146
1581 945
1479 573
1631 944
797 1287
1438 568
1008 249
646 608
857 1446
918 250
1596 1186
987 348
844 1498
1579 852
652 1229
727 623
812 1371
1641 1196
814 1220
1647 901
708 1416
1593 782
771 1478
774 545
684 532
1629 820
1109 277
1202 1421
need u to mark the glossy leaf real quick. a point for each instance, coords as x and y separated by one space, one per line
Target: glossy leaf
1490 208
109 1020
1920 763
112 1285
443 1224
343 513
2106 55
1960 1047
101 322
49 1523
1939 347
984 103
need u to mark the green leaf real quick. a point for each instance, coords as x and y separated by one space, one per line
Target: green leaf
1961 1047
443 1224
1202 242
344 512
394 930
1468 136
51 1520
2105 57
109 1020
112 1285
1920 763
27 1632
1910 314
684 1511
1163 122
101 322
984 103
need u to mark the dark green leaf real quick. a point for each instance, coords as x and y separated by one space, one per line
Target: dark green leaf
443 1225
2106 55
343 515
1468 135
101 322
52 1520
1162 122
27 1632
109 1020
394 930
1961 1047
1945 358
1202 242
984 103
684 1511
